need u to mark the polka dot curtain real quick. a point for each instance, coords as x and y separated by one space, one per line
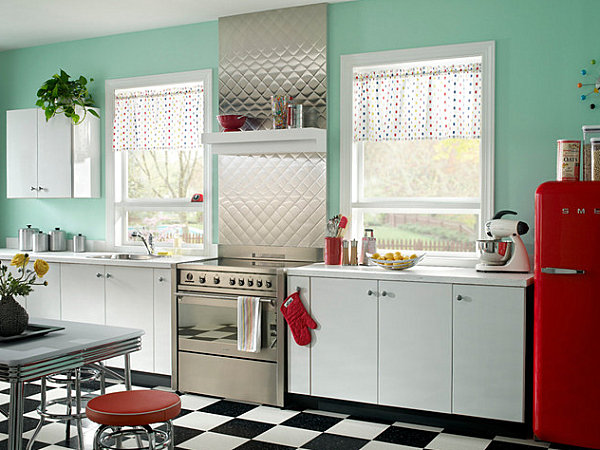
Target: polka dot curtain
435 102
158 118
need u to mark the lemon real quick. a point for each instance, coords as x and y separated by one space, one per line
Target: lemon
376 256
389 256
413 256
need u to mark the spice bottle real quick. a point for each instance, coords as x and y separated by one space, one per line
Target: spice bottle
345 255
354 253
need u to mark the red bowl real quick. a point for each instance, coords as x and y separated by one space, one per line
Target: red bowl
231 122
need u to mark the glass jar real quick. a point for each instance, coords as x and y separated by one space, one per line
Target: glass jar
595 154
589 132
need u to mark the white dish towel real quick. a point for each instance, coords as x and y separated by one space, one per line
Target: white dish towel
248 321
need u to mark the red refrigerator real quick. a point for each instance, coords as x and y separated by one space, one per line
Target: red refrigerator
566 356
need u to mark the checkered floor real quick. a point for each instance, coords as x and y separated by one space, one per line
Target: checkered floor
215 424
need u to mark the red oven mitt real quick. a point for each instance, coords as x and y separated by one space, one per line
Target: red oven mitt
298 319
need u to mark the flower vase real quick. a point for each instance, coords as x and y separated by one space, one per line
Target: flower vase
13 317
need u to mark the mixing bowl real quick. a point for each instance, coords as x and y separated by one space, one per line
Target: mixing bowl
494 252
231 122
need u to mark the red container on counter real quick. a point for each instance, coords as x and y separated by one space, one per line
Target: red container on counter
333 251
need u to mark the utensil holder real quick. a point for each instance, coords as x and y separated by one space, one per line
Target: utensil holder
333 251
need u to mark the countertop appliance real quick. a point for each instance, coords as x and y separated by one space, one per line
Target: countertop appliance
566 400
499 255
206 358
26 237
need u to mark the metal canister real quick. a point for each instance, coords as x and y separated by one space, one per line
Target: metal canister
567 168
79 243
26 237
58 241
40 242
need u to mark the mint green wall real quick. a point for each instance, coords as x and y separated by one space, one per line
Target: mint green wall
165 50
540 47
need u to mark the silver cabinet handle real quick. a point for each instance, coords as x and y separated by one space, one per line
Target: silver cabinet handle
383 293
40 188
108 275
161 279
560 271
370 292
99 275
459 297
33 188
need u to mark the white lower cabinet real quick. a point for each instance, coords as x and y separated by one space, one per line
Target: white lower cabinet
130 303
489 352
162 321
439 347
344 352
82 293
415 345
298 379
44 301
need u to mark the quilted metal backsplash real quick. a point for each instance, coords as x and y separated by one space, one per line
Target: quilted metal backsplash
274 199
282 51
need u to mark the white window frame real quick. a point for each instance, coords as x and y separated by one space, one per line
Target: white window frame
114 171
349 171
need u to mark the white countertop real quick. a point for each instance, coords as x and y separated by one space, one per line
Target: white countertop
428 274
162 262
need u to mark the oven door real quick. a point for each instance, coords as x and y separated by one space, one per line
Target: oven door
207 323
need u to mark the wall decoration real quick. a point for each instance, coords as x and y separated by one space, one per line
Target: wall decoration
594 85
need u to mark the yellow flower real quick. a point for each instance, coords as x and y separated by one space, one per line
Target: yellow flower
20 260
41 267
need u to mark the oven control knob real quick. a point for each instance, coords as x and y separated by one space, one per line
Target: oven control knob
232 281
268 284
189 276
258 283
241 281
250 282
216 280
202 279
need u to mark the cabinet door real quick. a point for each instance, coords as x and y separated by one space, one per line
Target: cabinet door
86 157
130 303
415 345
54 156
44 301
489 352
82 293
298 357
162 321
344 352
21 153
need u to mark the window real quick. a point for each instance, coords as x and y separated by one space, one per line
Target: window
157 162
417 147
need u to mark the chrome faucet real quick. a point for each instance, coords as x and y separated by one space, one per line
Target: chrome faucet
148 243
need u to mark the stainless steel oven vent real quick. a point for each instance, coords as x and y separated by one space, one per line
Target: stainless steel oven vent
282 51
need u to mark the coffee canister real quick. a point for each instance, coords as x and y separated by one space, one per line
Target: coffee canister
26 238
79 243
58 241
40 242
567 168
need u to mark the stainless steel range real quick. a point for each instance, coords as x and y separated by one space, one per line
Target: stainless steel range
206 359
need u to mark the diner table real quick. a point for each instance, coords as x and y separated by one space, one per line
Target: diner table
26 360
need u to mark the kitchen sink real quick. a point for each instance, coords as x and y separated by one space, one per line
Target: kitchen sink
130 256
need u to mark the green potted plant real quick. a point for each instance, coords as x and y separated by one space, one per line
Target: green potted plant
61 95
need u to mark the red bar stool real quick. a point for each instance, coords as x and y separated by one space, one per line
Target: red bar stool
129 414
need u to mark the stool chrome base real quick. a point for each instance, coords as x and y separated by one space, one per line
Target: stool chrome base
111 437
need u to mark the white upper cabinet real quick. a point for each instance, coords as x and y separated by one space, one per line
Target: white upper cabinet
51 159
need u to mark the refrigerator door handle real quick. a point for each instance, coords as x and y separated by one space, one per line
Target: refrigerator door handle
559 271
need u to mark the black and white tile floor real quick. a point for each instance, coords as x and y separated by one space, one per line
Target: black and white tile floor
214 424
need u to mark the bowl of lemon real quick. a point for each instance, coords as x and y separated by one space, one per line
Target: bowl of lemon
396 261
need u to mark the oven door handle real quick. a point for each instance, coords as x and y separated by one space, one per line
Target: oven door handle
213 300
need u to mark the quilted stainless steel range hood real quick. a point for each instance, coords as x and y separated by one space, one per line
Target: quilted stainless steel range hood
278 52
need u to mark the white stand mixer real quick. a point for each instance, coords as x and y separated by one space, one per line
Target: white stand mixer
497 255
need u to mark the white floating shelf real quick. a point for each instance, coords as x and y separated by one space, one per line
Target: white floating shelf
294 140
